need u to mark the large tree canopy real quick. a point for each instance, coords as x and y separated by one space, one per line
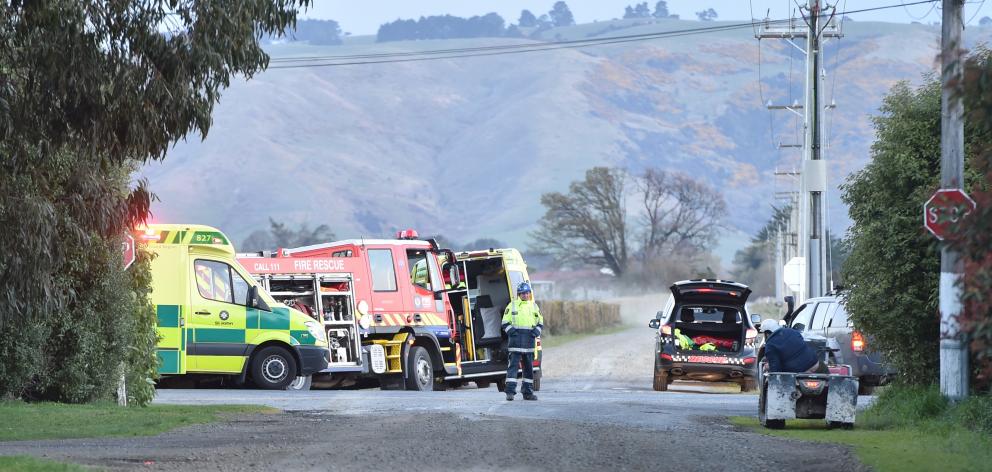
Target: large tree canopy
88 90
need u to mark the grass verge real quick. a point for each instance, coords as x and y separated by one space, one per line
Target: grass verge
28 421
553 340
30 464
907 429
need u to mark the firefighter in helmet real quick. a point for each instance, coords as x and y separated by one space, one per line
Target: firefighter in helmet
522 322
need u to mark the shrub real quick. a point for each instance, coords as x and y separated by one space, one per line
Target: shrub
562 317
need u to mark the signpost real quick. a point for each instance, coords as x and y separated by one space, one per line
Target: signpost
130 254
945 209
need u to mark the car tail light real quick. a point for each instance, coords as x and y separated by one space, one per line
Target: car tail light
857 341
748 360
751 333
666 357
666 330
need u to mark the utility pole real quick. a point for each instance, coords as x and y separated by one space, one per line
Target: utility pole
813 179
953 357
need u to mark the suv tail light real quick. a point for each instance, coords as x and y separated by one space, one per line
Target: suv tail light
666 330
857 341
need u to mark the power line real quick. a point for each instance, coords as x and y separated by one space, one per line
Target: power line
417 56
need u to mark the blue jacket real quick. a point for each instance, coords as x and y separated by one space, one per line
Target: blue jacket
787 351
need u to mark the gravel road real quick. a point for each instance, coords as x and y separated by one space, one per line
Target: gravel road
597 412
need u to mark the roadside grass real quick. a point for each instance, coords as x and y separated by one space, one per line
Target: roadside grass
554 340
30 421
30 464
907 429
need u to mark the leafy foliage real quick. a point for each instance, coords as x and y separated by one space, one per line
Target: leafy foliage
527 19
893 268
316 32
639 10
89 89
561 15
707 15
974 235
660 9
443 27
280 236
754 265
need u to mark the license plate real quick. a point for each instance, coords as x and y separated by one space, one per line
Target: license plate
708 360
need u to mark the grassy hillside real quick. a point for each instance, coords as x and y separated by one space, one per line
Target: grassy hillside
465 147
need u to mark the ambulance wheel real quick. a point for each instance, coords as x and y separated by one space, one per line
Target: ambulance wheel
483 384
419 370
301 383
273 368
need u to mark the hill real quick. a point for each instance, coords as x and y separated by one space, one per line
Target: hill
465 147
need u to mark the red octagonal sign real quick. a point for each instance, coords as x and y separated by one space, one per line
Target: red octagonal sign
129 252
945 209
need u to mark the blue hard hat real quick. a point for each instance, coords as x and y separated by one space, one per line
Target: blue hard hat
524 287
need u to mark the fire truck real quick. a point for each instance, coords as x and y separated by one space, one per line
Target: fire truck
402 311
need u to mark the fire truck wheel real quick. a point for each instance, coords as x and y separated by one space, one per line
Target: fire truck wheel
419 370
273 368
483 383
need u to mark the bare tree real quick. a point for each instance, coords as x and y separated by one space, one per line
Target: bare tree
679 213
589 223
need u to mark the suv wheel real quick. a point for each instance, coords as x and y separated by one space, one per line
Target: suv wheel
660 378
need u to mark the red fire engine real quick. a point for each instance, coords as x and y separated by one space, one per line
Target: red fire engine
402 311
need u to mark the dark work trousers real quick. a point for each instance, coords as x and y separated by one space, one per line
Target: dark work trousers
516 357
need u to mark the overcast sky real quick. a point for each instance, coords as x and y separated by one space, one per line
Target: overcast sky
365 16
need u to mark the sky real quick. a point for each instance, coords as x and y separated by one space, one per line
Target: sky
365 16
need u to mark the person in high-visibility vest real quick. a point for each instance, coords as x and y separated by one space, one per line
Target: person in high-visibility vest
522 322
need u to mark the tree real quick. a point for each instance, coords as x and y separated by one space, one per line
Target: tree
589 223
973 236
754 265
89 91
560 15
678 213
985 21
280 236
527 19
661 9
893 268
316 32
639 10
707 15
442 27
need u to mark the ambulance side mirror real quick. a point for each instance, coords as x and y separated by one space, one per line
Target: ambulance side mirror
255 301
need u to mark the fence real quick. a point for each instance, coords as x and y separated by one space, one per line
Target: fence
561 317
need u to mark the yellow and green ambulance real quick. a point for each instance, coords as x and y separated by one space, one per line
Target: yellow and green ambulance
213 318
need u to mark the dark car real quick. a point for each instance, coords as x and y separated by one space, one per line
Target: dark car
705 334
827 317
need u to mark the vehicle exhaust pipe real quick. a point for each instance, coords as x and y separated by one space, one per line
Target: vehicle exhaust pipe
677 371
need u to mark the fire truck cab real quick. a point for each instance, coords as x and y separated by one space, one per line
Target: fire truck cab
402 311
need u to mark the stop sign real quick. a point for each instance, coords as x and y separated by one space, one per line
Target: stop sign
129 252
944 209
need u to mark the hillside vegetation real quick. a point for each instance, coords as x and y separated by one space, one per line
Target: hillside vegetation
465 147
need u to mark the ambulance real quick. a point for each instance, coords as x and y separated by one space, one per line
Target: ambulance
402 311
214 318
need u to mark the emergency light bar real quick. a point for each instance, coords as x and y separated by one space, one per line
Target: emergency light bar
407 234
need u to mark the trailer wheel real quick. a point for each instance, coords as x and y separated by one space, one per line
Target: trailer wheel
749 384
865 389
419 370
273 368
